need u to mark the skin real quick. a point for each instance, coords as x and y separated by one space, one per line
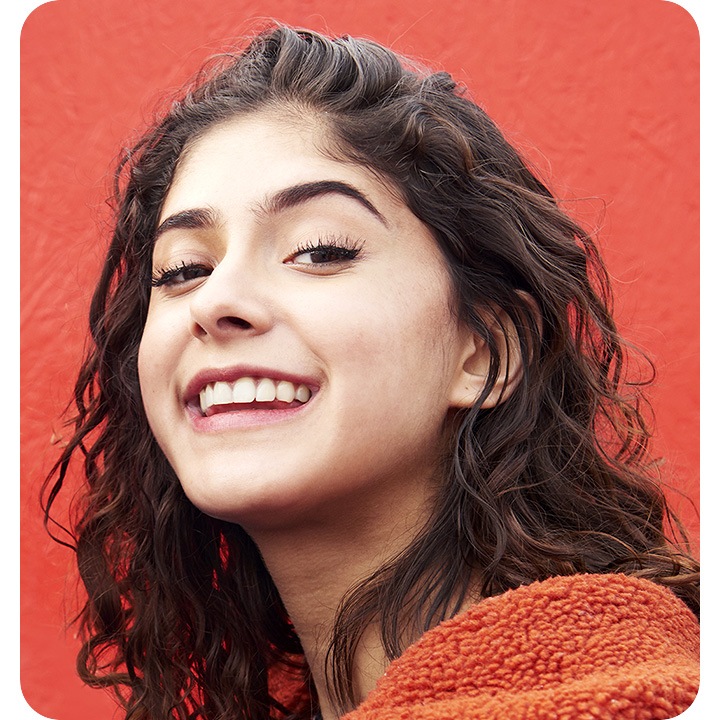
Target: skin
334 488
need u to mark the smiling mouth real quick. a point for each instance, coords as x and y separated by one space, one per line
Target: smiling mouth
251 393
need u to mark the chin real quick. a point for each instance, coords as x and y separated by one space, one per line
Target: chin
271 504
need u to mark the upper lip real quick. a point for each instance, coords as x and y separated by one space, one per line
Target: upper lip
230 374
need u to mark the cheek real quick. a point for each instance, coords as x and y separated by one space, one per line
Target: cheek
148 355
148 374
155 359
390 338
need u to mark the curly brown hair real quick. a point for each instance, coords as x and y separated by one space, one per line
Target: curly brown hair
182 618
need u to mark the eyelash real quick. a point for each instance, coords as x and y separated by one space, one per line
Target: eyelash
343 246
167 276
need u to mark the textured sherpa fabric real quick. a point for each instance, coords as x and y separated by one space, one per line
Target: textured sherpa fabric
567 648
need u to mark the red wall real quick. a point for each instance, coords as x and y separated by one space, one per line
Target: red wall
602 95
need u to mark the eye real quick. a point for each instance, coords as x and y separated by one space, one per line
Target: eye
326 252
179 274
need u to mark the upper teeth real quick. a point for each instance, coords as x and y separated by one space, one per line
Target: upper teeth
247 390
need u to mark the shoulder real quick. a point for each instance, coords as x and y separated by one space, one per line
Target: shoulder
595 646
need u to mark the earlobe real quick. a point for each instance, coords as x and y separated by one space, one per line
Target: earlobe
473 373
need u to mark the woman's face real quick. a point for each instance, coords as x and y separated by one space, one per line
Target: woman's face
301 352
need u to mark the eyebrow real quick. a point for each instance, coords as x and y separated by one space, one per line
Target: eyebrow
298 194
205 218
195 219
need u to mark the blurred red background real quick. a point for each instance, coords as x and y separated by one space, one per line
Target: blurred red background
603 97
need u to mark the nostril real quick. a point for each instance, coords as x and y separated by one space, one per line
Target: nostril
224 324
238 322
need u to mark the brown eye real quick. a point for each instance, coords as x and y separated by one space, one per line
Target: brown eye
326 251
179 274
325 254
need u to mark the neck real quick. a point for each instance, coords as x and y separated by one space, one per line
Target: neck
315 566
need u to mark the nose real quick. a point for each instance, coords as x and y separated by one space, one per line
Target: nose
231 300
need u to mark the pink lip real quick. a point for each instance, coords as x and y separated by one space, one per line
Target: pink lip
251 418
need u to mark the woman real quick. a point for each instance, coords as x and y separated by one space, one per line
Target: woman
356 395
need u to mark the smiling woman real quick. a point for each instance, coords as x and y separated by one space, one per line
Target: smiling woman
355 400
308 272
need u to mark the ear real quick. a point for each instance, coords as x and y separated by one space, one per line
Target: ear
473 367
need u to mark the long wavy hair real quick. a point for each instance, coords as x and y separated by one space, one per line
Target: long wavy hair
182 618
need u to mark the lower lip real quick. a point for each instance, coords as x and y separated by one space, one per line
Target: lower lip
243 418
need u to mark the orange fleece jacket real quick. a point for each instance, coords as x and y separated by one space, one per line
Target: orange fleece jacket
566 648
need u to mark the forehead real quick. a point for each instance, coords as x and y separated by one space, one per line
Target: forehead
259 153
